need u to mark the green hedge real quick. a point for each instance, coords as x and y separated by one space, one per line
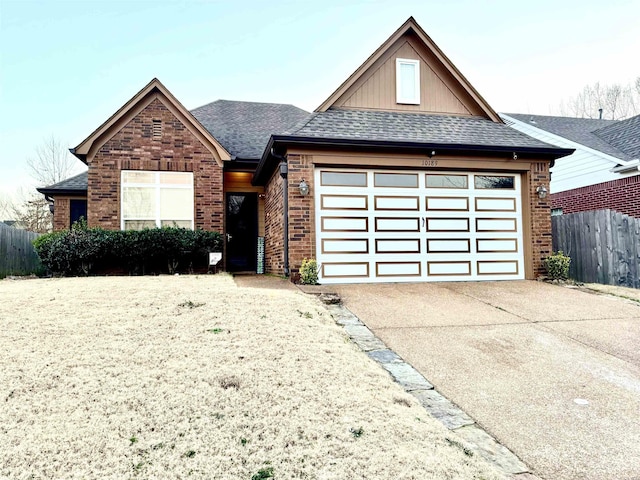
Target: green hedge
82 250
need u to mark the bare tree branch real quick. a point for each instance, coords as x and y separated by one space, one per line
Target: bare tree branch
52 163
616 101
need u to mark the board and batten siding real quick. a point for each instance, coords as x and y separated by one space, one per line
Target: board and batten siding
582 168
377 90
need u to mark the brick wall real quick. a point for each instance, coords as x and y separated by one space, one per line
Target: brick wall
622 195
274 225
540 209
301 218
61 213
301 213
134 147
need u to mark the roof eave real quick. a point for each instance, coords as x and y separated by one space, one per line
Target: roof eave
628 167
58 192
265 167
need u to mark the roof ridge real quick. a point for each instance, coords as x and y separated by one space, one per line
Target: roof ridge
219 100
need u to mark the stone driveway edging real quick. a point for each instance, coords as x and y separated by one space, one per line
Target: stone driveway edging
438 406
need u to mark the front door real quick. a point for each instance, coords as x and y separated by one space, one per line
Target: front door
242 232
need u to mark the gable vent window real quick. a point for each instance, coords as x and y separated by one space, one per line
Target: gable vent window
157 129
407 81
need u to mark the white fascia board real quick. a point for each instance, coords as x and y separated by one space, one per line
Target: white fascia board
627 167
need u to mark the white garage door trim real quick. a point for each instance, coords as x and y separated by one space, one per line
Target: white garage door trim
407 226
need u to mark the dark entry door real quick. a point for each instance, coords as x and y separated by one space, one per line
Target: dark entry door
242 231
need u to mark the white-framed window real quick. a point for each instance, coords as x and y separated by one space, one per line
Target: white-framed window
407 81
156 199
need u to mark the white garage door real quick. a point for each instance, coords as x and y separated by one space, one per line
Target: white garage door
408 226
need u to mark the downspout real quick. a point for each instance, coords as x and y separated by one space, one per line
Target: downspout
284 170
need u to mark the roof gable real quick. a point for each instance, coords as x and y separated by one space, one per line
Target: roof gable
152 91
443 89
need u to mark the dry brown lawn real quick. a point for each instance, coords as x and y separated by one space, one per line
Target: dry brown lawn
195 377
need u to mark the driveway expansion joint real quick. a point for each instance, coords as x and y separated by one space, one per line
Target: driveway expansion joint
436 405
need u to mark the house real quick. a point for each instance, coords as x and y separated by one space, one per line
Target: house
404 173
604 170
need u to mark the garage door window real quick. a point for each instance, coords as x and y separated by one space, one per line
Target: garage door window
408 180
343 179
487 182
447 181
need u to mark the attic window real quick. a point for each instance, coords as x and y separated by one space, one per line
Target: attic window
407 81
157 129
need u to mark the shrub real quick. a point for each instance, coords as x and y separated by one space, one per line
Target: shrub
557 266
82 250
309 272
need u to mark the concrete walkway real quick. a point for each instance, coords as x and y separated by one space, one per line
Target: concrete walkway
553 373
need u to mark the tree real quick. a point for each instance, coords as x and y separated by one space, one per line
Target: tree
51 164
616 101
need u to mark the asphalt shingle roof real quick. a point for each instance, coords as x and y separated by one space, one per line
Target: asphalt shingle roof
580 130
244 128
413 127
623 135
75 183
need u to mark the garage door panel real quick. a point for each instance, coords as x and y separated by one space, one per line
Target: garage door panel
447 204
397 224
448 245
344 202
345 245
394 245
447 224
345 269
344 224
496 225
449 268
404 226
399 269
495 204
491 245
495 267
396 203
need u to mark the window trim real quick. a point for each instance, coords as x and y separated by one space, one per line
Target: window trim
157 186
415 99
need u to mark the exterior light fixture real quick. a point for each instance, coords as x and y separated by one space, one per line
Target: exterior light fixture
542 192
304 188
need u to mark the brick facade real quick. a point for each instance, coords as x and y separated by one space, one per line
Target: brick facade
274 225
540 215
134 147
302 234
61 213
622 195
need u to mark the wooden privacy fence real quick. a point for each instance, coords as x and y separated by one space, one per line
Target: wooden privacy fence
17 255
604 246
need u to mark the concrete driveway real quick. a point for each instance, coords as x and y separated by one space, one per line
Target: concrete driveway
553 373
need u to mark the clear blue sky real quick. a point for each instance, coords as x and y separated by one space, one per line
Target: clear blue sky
66 66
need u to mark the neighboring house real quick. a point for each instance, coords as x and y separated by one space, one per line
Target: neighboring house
404 173
604 170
